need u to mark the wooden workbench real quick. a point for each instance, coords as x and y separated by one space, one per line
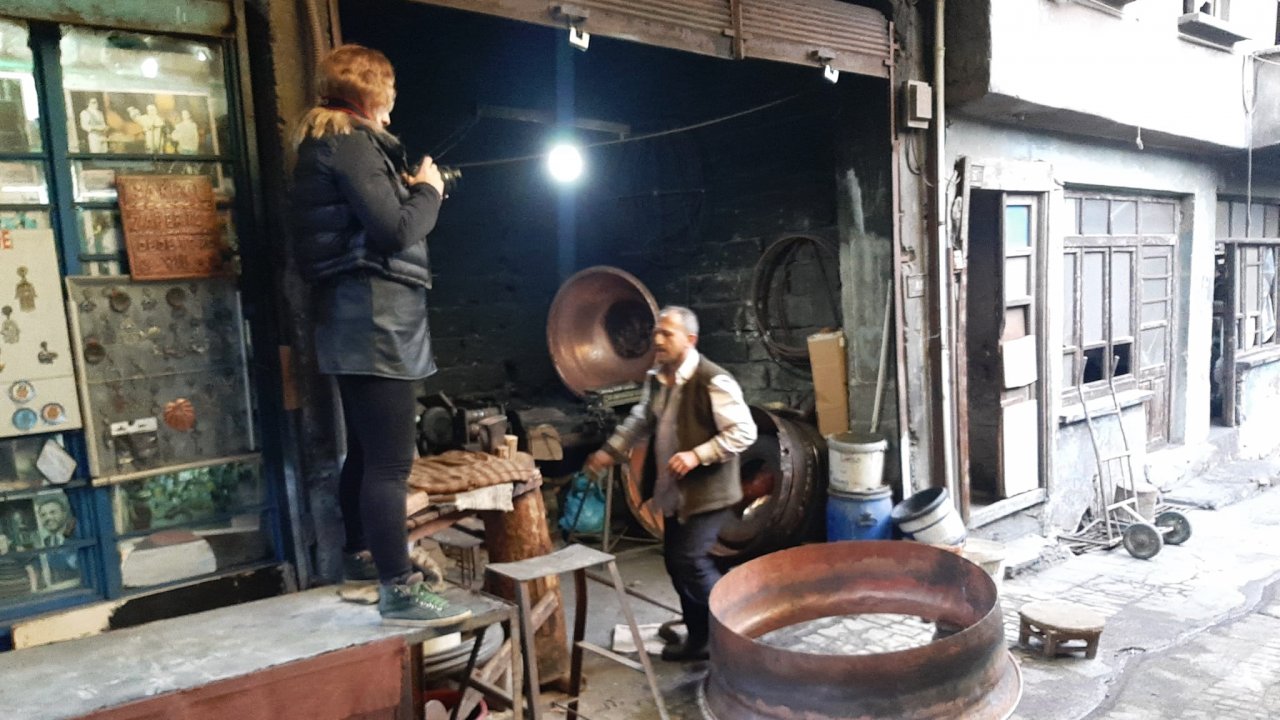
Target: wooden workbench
305 655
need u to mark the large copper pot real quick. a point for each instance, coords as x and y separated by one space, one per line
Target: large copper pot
600 329
966 674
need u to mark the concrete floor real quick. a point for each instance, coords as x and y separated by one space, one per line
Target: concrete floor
1192 633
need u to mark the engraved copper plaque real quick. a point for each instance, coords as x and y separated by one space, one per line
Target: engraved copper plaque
171 227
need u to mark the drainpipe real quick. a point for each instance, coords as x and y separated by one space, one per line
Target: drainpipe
942 259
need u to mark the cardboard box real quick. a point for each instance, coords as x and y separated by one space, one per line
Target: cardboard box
828 361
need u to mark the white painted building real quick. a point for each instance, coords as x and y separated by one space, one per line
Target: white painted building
1103 183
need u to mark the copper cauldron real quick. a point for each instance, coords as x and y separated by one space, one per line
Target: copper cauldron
600 329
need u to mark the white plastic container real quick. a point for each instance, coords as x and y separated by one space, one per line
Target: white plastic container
929 517
856 462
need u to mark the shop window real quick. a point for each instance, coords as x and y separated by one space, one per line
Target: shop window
139 104
42 543
174 526
1118 275
183 494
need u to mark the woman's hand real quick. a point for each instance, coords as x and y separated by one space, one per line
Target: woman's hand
427 173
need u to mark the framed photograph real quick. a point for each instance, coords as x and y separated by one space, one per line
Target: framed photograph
18 578
57 524
22 183
101 232
19 112
147 122
18 524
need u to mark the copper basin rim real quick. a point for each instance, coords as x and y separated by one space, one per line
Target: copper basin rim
969 674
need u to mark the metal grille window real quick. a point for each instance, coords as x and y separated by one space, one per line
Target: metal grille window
1251 234
1118 297
1117 280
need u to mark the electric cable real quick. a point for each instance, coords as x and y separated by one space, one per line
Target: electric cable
638 138
455 137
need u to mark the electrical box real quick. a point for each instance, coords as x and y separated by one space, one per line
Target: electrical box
918 104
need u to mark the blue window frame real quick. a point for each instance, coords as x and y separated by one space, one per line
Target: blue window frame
76 105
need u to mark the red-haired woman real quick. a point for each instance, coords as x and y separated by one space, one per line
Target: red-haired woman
362 221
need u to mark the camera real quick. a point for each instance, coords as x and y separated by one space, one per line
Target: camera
450 175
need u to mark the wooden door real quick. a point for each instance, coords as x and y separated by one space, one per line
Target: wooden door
1021 240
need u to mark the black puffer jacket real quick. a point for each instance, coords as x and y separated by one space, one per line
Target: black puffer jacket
353 211
362 241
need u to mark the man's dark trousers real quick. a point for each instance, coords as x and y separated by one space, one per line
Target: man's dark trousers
687 552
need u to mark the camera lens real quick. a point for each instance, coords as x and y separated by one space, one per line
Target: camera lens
450 175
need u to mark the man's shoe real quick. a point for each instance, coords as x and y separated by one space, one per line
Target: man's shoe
359 567
667 631
685 652
415 605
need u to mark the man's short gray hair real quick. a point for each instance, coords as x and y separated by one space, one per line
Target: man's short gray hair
687 318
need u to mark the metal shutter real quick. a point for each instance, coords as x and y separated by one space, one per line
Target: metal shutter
791 31
797 31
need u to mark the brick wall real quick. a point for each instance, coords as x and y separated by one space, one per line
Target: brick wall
689 214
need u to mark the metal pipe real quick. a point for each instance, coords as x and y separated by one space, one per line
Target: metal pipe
884 361
942 265
899 266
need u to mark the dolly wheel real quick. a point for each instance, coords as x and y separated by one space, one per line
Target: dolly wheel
1175 526
1142 541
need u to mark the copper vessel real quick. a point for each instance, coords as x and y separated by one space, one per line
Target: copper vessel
967 673
600 329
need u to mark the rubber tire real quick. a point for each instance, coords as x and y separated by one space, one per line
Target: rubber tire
1178 524
1143 540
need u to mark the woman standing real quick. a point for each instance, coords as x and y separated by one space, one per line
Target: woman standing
362 219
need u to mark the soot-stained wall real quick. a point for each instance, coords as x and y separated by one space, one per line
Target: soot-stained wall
689 213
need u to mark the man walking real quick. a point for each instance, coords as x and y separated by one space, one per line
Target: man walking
698 423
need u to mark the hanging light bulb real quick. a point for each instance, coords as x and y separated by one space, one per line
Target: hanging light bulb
565 163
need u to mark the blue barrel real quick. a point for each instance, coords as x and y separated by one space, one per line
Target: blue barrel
860 515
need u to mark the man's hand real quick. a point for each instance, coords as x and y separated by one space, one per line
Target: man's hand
682 462
598 462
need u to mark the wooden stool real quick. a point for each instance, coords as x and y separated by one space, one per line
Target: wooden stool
1055 622
464 549
576 559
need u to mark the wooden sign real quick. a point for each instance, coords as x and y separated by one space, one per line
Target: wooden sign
171 227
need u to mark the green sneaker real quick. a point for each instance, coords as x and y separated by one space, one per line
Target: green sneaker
416 605
358 567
